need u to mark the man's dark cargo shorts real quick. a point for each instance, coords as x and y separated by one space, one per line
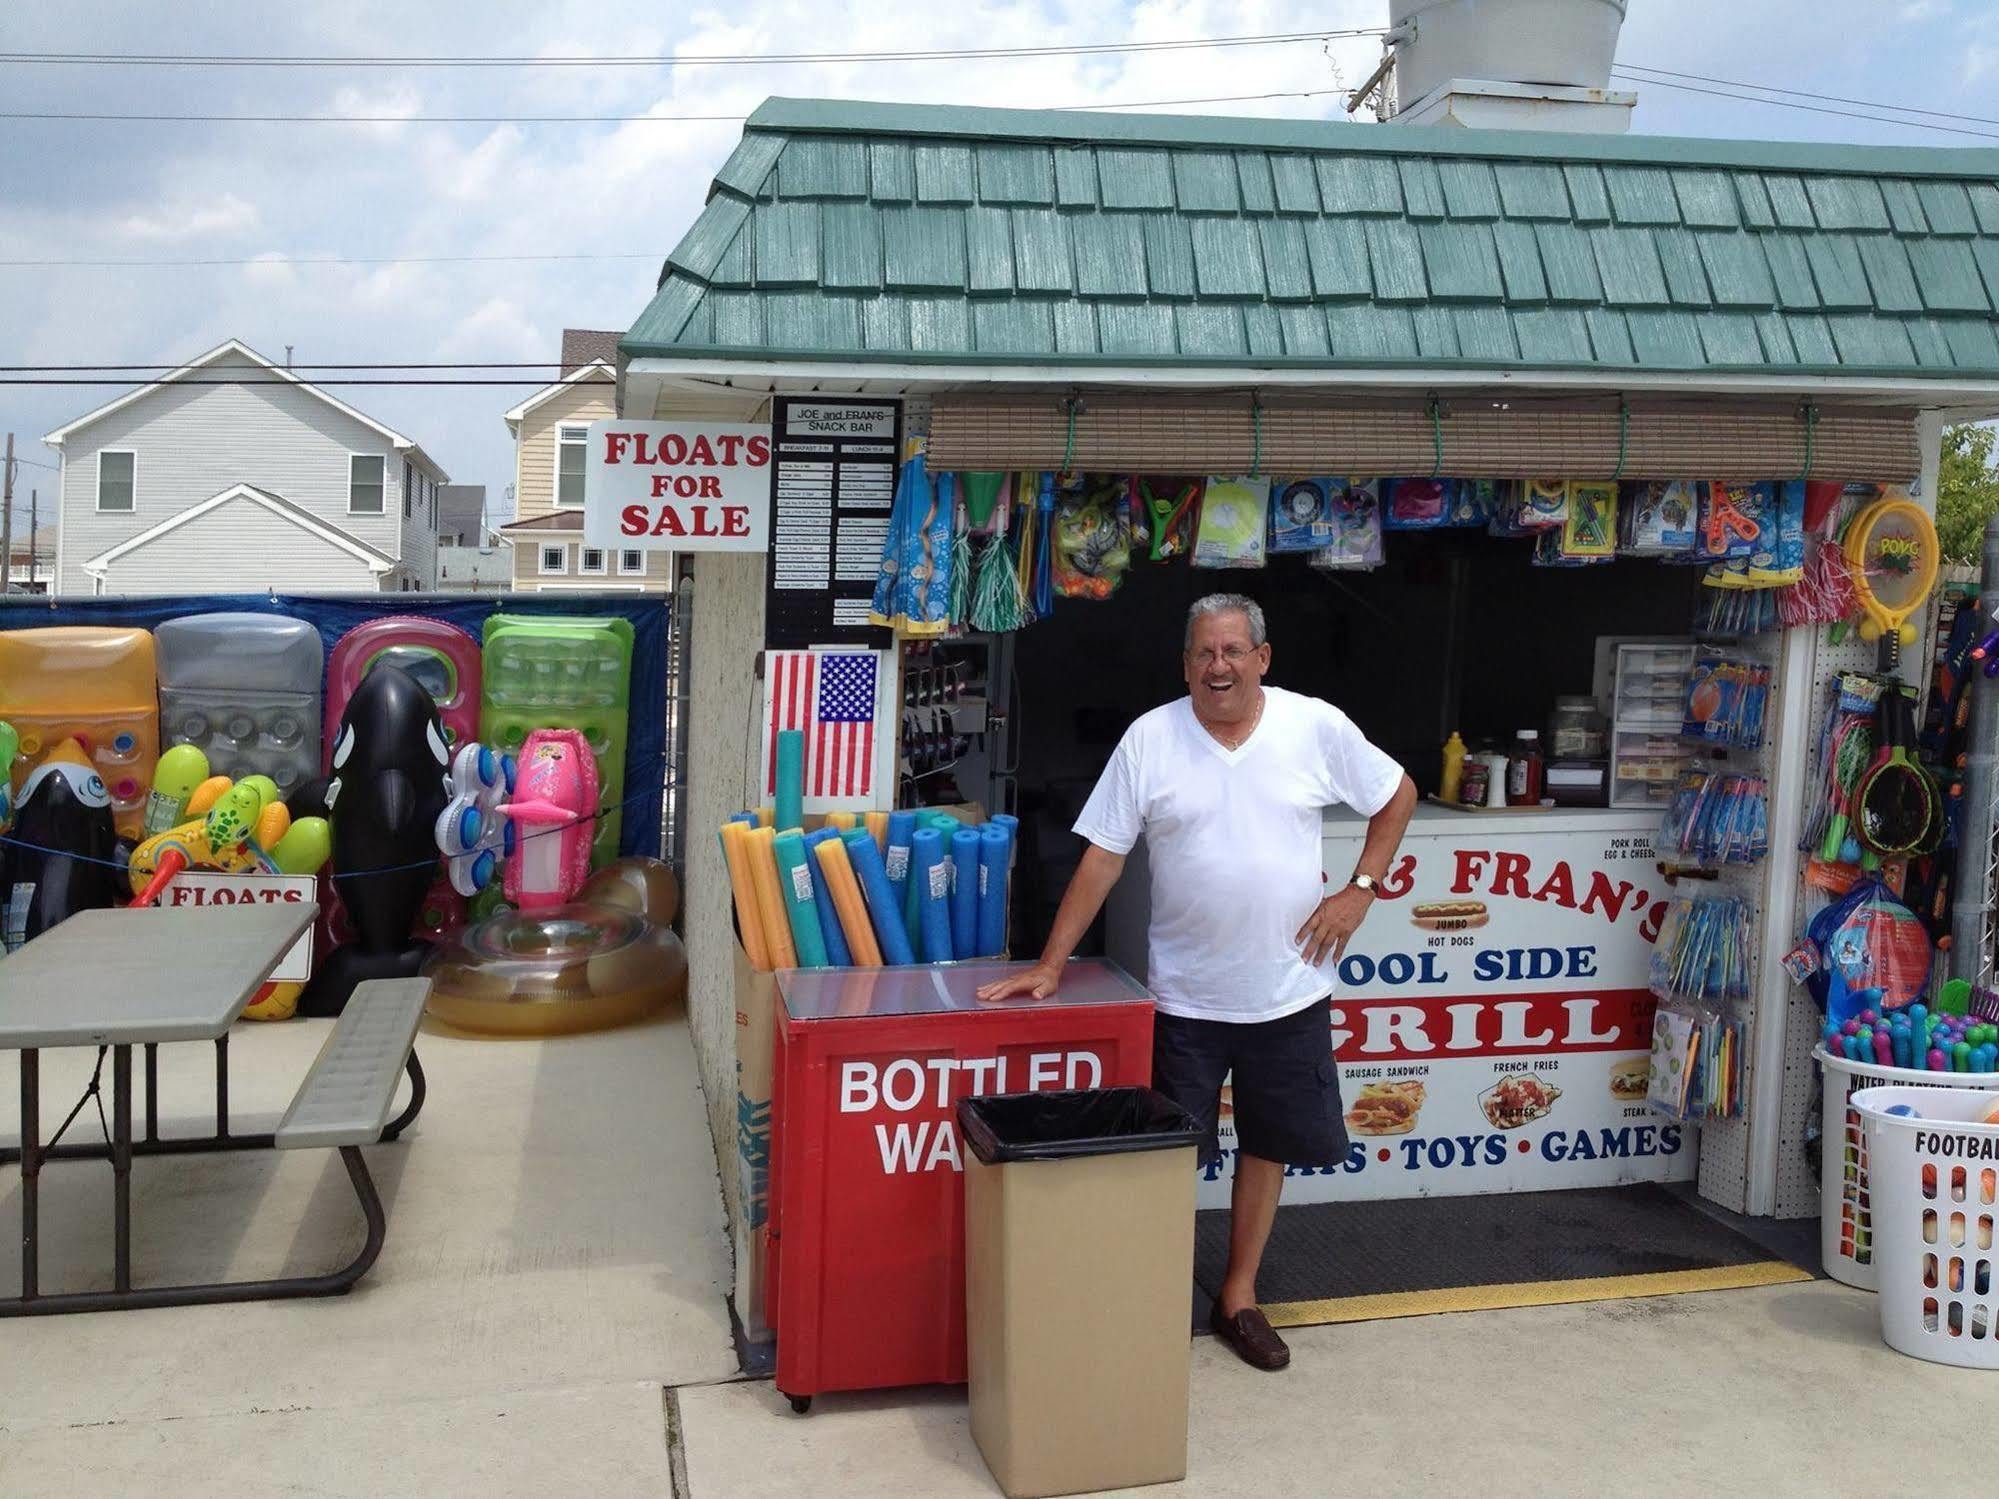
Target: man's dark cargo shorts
1284 1090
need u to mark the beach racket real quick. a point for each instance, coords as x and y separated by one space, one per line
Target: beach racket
1891 551
1852 756
1896 801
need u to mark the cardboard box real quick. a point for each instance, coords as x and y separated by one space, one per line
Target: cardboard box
756 999
1076 1286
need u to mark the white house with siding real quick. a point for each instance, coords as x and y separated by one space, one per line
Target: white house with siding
231 474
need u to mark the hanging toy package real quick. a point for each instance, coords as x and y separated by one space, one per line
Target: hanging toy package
1731 521
1301 514
1417 504
1170 506
1873 954
1589 525
1231 528
1530 506
1779 558
1092 539
1657 517
1356 543
1472 502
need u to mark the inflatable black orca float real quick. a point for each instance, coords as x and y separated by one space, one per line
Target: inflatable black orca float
64 849
387 788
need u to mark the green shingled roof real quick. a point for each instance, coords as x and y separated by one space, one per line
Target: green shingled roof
899 233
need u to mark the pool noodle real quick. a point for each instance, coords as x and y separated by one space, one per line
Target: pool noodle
846 897
901 828
790 809
930 877
965 891
1012 825
735 853
765 816
840 822
770 900
747 819
878 829
799 906
883 912
995 853
838 954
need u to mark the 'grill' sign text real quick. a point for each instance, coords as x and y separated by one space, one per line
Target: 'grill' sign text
676 487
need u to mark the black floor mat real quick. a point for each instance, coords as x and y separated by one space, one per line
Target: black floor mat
1405 1248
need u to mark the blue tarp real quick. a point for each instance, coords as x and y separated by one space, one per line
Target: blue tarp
334 615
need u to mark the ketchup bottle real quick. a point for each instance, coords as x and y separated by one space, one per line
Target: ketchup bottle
1523 770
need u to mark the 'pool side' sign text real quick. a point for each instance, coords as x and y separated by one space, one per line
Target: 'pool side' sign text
679 487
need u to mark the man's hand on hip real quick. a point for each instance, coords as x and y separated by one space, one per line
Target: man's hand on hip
1336 918
1038 982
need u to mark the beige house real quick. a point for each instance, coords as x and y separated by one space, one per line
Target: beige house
547 529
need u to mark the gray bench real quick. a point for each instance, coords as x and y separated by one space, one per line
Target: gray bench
345 1099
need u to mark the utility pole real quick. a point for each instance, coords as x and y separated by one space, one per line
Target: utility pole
34 530
7 519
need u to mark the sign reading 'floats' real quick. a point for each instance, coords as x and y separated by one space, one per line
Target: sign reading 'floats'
679 487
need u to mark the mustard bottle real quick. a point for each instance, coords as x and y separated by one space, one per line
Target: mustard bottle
1454 768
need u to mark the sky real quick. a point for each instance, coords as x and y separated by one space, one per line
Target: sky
406 193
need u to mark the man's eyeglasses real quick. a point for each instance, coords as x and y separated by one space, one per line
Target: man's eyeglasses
1233 655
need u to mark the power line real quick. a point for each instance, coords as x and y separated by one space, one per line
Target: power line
1819 109
289 260
1771 88
184 384
673 60
461 364
392 119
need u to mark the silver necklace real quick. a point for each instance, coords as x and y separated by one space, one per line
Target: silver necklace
1232 745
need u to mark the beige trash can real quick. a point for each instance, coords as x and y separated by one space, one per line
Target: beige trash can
1079 1268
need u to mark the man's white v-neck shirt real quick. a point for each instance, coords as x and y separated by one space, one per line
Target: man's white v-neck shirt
1234 840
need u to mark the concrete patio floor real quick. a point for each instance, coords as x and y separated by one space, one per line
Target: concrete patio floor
547 1318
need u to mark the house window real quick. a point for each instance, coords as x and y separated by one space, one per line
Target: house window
631 560
114 479
592 561
555 559
569 443
409 476
365 480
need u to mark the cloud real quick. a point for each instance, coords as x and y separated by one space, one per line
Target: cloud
223 215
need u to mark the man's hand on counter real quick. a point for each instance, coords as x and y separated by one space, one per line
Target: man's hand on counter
1038 982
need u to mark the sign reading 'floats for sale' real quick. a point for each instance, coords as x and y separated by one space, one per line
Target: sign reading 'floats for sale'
677 486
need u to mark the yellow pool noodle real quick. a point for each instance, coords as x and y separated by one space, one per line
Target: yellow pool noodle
766 816
736 850
878 828
844 821
846 893
770 899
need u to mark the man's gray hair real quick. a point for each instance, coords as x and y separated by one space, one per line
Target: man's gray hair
1226 603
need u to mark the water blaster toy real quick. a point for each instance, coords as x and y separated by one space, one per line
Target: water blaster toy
474 832
388 785
96 686
62 854
555 804
243 829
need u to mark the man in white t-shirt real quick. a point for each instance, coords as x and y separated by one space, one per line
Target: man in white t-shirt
1229 786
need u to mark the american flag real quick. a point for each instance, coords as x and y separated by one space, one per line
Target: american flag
831 696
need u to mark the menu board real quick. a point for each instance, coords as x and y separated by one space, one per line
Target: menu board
1492 1020
832 491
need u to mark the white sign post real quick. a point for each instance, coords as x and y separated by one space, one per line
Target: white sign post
677 486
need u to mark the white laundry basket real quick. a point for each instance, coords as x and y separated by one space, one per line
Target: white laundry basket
1845 1230
1935 1184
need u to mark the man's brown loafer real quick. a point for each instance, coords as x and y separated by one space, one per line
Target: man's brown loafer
1252 1337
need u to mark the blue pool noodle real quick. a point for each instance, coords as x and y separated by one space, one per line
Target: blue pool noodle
799 905
790 809
995 856
930 874
884 912
1012 825
965 891
837 952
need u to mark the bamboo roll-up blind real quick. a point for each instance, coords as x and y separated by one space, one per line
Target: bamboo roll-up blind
1518 439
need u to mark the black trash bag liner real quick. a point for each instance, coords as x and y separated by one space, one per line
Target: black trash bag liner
1067 1125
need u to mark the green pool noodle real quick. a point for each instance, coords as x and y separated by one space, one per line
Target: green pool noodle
794 879
790 779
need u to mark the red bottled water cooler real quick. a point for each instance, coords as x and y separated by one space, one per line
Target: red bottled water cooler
867 1227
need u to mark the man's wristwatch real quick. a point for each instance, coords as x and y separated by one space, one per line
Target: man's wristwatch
1366 882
